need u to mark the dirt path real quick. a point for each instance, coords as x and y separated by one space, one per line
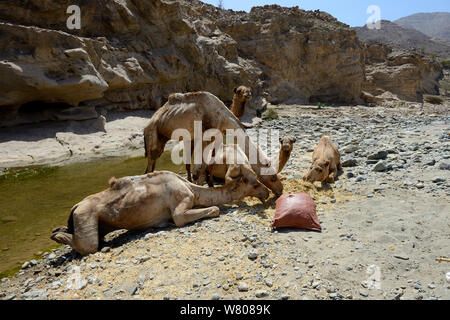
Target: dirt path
382 229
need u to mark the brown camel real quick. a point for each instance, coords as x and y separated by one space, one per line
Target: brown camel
280 160
326 161
181 111
241 95
141 202
229 162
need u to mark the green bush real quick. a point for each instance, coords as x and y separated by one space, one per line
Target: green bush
445 63
270 114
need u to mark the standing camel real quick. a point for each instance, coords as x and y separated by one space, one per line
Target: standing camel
181 111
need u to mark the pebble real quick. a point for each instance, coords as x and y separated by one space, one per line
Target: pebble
242 287
401 257
215 296
364 293
261 294
252 255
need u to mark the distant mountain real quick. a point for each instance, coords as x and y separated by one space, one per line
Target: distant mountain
435 25
399 37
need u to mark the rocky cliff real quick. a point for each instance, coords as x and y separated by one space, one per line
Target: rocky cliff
131 54
394 74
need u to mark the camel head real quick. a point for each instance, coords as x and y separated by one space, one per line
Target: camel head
287 143
248 186
243 93
318 171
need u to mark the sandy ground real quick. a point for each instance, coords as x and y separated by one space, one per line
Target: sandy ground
385 221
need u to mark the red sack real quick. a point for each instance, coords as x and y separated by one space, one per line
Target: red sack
296 211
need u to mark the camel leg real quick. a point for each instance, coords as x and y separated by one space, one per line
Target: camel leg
183 215
86 236
61 229
210 179
63 238
332 175
233 172
188 171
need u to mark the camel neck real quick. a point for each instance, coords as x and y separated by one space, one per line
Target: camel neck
238 107
281 159
207 197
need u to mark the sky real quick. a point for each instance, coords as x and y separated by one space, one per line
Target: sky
352 12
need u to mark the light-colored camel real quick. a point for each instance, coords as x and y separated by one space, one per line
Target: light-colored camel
280 160
181 111
241 95
228 163
326 161
141 202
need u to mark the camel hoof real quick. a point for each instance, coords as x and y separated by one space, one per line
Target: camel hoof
60 229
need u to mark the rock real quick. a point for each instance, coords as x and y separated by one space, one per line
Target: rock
349 162
242 287
397 74
97 65
133 290
252 255
401 257
444 166
381 166
379 155
215 296
261 294
364 293
106 249
51 256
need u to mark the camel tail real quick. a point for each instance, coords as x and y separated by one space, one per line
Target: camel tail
145 146
70 228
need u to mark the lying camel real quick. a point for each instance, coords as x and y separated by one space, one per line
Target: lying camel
181 111
280 160
241 95
141 202
229 162
326 161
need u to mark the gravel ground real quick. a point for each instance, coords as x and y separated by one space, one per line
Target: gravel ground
385 221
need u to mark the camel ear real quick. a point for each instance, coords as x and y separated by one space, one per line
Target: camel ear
294 140
281 139
235 90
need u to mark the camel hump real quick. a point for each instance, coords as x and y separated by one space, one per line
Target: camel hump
175 98
113 183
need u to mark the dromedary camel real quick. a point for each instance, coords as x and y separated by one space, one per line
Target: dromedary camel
326 161
141 202
241 95
231 161
280 160
181 111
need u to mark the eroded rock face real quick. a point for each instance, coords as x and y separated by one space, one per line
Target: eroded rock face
398 74
132 54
